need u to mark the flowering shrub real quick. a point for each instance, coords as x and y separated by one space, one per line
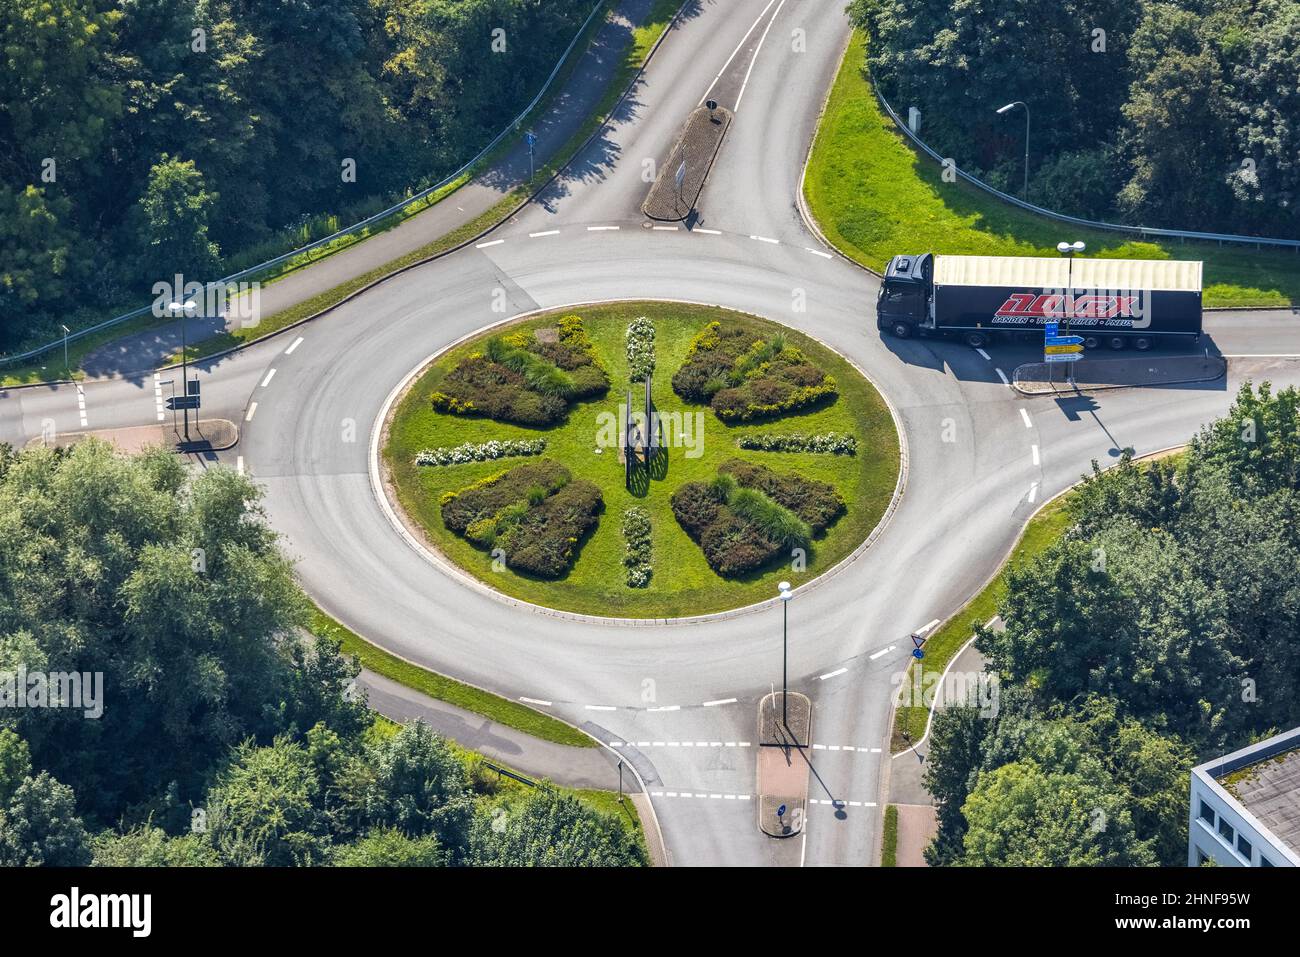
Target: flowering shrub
832 443
640 348
636 555
483 452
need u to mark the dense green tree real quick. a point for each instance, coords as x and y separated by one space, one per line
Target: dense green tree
149 846
420 787
389 847
40 827
175 207
551 829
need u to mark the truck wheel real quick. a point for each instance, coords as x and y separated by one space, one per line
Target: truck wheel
976 340
1141 343
1116 342
1091 342
903 330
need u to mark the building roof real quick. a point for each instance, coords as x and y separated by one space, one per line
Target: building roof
1270 790
1179 275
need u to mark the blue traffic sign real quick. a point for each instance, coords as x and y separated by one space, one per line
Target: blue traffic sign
1050 329
918 654
1064 341
780 812
531 139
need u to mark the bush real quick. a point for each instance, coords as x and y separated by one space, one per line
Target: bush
636 547
772 520
543 539
640 348
832 443
696 507
744 377
479 386
818 504
487 497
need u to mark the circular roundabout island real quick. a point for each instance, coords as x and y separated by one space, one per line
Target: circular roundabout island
641 459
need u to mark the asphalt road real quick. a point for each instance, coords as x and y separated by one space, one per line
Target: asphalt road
679 700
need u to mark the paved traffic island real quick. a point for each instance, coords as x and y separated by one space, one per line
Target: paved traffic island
205 435
683 174
1040 378
784 735
525 456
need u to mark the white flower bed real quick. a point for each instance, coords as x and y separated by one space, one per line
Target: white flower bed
636 538
483 452
640 348
832 443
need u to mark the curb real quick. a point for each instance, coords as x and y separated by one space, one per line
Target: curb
433 556
1101 387
727 117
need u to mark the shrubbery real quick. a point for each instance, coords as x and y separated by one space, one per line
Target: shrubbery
744 376
636 554
832 443
481 452
534 513
640 348
525 379
749 515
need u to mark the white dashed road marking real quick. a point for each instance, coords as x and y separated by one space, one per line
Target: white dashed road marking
987 357
714 704
601 229
494 242
158 403
707 232
664 229
832 674
251 410
239 465
600 707
1029 423
1003 376
766 239
818 252
544 704
680 744
1033 492
81 404
296 343
269 376
1034 450
714 796
882 651
544 232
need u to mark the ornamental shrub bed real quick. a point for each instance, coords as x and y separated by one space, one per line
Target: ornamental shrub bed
480 452
640 348
818 504
748 515
636 547
528 378
534 513
831 443
744 376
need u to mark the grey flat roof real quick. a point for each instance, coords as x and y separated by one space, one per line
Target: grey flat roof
1270 790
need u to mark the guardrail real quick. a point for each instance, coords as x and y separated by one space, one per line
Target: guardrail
1258 241
511 127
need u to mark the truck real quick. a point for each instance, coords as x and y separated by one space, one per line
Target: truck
1108 302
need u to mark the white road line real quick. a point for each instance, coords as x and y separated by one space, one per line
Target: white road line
714 704
1033 492
664 229
544 704
882 651
735 51
296 343
251 409
1029 423
269 376
928 626
600 707
832 674
239 465
766 239
494 242
754 59
158 397
985 355
1034 451
818 252
545 232
707 232
667 707
601 229
81 404
1003 376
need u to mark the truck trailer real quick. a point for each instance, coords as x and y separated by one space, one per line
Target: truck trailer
1109 302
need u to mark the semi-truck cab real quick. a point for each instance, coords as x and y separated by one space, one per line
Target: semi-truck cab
1109 302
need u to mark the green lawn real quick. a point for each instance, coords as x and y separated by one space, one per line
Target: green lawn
1043 529
683 583
501 710
875 197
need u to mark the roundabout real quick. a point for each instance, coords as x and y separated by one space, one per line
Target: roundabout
840 446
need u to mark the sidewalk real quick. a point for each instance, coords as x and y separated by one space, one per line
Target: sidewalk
571 106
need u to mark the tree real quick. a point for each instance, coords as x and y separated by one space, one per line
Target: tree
1022 815
956 739
149 846
552 830
176 206
389 847
420 787
40 827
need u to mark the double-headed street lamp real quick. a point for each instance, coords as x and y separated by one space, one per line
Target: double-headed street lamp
182 310
1007 109
785 594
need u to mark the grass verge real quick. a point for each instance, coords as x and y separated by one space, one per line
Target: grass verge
1043 529
682 582
889 843
501 710
874 197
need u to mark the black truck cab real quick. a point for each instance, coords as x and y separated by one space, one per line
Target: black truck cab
903 304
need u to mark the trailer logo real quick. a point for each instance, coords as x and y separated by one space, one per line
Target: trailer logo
1055 305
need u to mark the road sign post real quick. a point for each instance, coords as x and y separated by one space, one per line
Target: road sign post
681 179
531 139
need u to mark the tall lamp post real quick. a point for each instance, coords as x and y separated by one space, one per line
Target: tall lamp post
785 594
181 311
1007 109
1068 250
66 368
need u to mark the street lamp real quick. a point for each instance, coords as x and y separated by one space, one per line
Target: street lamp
1006 109
1068 250
66 368
785 594
178 310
